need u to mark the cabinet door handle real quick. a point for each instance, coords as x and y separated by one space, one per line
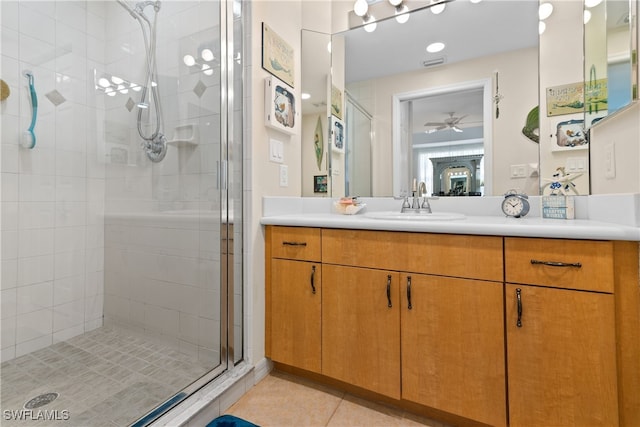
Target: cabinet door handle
313 279
519 301
389 290
557 264
409 292
285 243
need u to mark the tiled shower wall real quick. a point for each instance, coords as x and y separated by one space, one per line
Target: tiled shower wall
162 256
53 195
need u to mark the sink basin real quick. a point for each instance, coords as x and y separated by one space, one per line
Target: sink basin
412 216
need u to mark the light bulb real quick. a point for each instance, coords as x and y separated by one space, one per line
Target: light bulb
541 27
435 47
189 60
401 14
305 96
545 10
104 82
361 7
587 16
371 25
207 54
395 3
116 80
437 7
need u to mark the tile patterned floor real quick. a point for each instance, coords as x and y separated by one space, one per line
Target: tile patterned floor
282 400
104 378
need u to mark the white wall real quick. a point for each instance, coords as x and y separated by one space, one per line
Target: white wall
52 196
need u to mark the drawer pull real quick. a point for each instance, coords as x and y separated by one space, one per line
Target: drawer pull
519 301
313 279
409 293
389 290
294 243
557 264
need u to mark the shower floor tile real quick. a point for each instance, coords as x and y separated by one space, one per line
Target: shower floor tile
104 378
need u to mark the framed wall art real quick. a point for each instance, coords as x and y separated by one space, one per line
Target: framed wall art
565 99
336 102
337 135
320 183
570 135
279 106
277 56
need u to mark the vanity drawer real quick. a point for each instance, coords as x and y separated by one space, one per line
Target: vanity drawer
454 255
572 264
301 243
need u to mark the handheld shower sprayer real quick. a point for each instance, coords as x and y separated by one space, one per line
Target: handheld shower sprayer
29 136
154 145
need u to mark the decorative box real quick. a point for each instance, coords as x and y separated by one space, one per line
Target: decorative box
558 207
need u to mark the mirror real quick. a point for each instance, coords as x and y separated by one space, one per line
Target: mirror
316 65
491 48
609 68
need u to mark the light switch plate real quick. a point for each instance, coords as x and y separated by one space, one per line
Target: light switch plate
276 151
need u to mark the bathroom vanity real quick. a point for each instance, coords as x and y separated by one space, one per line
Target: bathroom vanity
467 328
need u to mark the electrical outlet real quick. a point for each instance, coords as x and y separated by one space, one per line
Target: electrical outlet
284 176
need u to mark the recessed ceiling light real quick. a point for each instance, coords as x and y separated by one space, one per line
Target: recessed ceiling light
305 96
435 47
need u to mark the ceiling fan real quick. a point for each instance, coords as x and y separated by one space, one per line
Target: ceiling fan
450 122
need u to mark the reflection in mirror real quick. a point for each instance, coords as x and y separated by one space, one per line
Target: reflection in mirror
493 42
608 64
564 149
316 65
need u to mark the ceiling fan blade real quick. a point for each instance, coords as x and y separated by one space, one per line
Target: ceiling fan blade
456 128
435 124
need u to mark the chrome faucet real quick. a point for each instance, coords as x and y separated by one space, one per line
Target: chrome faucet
415 206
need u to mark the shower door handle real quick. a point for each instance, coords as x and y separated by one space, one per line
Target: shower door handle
221 165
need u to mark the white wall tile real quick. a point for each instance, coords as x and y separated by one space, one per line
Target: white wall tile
37 188
10 163
35 269
26 347
9 217
36 242
10 14
93 306
71 214
37 215
68 264
8 303
34 297
10 41
69 315
10 187
9 274
68 289
37 25
9 244
70 189
8 332
33 325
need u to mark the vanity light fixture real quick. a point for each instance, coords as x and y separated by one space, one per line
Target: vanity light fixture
475 1
207 55
541 27
587 16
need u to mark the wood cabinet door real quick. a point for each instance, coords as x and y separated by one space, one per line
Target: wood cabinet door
561 359
296 295
361 328
453 355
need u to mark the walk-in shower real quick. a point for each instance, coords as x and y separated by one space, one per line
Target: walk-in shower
121 276
154 144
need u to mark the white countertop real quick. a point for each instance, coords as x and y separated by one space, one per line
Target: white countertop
309 212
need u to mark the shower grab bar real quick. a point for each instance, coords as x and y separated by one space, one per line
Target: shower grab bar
29 135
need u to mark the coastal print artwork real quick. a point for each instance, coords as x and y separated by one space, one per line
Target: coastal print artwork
280 106
571 134
277 55
336 102
565 99
318 143
337 133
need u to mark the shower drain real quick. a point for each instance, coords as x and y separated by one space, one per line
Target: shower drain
43 399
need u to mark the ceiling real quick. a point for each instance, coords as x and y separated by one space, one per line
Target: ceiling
469 30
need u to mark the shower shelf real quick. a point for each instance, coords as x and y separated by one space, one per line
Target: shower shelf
184 135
